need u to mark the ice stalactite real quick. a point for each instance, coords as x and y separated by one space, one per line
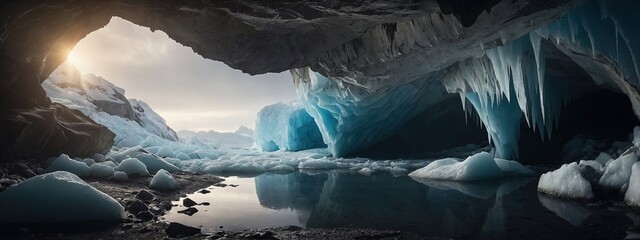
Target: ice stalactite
606 28
507 83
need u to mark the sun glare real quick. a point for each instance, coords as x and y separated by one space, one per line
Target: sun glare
72 58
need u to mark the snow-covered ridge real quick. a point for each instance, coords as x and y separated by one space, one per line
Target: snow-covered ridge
243 137
94 96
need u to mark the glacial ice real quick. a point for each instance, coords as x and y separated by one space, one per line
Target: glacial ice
154 164
514 169
618 172
632 196
481 166
120 176
64 163
566 182
286 127
164 180
351 118
101 170
132 166
57 197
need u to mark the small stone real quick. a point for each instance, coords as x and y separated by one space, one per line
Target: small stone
178 230
189 211
187 202
205 203
137 206
145 195
127 226
145 216
204 191
165 205
220 185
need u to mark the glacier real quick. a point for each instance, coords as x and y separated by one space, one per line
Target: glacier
286 127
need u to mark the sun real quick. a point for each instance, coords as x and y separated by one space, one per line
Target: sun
72 58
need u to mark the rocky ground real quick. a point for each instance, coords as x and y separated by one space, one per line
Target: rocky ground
144 206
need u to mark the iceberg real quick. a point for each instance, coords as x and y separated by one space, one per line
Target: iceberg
565 182
477 167
57 197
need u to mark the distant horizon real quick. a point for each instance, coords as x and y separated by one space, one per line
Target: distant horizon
154 68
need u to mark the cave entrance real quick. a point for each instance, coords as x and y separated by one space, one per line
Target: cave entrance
440 131
191 93
593 121
588 125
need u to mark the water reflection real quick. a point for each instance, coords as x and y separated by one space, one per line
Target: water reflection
570 211
509 209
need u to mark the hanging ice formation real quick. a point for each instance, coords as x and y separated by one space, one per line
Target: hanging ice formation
505 85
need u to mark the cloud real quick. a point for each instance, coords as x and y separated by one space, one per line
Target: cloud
190 92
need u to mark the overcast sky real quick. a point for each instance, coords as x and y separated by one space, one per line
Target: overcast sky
190 92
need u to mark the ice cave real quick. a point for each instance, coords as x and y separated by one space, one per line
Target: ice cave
430 119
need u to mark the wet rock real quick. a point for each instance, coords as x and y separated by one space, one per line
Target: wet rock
178 230
189 211
7 182
205 203
137 206
145 195
145 216
220 185
204 191
187 202
165 205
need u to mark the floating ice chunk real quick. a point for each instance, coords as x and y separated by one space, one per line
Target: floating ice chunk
109 163
318 164
164 180
165 151
513 168
603 158
366 171
132 166
565 182
125 153
154 163
101 170
282 168
87 161
183 156
64 163
632 197
99 157
618 172
120 176
57 197
246 168
477 167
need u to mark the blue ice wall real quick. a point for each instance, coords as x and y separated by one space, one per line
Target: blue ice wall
606 28
286 127
351 118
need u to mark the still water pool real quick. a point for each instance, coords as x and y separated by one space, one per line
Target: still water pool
508 209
